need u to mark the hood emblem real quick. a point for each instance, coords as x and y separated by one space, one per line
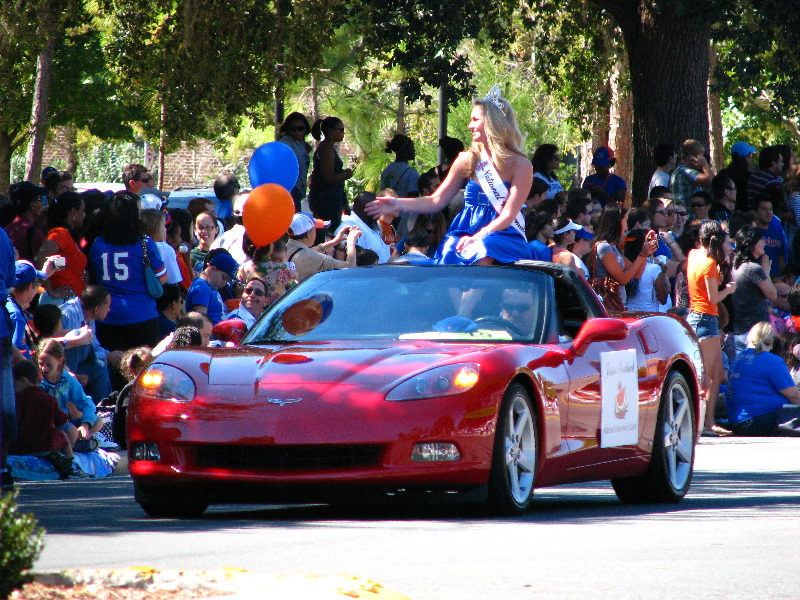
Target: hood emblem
283 402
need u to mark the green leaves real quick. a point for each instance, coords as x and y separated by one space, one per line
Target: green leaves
20 544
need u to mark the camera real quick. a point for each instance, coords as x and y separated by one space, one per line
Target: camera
59 262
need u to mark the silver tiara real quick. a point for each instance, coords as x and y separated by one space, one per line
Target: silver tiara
494 97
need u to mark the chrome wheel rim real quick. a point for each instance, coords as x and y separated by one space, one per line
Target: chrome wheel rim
520 449
678 437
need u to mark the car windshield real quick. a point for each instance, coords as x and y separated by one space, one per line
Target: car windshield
491 304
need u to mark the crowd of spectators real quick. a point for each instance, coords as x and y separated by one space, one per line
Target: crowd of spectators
97 282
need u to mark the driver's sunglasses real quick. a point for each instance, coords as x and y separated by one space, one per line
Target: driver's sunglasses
147 179
514 307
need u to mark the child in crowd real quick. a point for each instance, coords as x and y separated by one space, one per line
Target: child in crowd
154 225
131 364
40 422
84 423
204 297
270 264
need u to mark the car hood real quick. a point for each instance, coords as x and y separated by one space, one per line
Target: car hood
329 364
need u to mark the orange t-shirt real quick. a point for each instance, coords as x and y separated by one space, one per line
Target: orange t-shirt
699 268
72 274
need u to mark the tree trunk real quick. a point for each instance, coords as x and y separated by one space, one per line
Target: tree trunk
6 150
716 150
39 117
401 109
71 143
668 56
620 122
162 144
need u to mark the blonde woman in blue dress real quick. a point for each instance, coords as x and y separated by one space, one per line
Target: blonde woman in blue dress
498 175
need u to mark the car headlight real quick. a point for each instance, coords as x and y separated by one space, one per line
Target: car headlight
442 381
163 382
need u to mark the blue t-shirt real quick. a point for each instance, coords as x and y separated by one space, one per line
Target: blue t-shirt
663 248
541 251
609 184
224 209
19 319
200 292
120 269
754 384
7 274
775 244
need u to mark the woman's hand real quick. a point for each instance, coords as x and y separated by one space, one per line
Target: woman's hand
766 263
382 205
465 241
49 267
650 245
353 235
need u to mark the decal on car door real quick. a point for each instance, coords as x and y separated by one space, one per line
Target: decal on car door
619 390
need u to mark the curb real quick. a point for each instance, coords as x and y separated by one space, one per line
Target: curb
231 583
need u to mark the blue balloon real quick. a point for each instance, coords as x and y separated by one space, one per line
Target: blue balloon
273 163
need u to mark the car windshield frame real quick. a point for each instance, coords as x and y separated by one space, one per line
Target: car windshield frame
414 303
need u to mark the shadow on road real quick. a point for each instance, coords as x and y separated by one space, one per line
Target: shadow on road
107 506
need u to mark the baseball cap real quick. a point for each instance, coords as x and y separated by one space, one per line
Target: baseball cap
570 226
742 149
303 222
238 206
603 156
48 170
582 234
151 201
225 263
25 272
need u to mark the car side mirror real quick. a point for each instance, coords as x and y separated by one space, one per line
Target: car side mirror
599 330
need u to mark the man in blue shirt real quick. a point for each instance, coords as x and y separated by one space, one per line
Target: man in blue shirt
774 238
91 360
226 188
203 295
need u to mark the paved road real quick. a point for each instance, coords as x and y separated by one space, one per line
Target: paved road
734 536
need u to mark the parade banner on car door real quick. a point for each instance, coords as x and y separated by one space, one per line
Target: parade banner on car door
619 389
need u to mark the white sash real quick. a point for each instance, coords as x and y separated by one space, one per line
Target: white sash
496 191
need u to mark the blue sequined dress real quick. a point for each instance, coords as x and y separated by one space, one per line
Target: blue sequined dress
504 246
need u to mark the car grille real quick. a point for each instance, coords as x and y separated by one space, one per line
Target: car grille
271 458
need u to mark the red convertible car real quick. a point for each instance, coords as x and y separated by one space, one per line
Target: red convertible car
401 380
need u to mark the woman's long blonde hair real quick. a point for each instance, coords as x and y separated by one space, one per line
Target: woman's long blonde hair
502 134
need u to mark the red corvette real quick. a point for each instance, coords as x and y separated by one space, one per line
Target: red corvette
396 380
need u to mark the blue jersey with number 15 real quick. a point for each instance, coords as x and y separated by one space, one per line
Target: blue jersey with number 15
121 270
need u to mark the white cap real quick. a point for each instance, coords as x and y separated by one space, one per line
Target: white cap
151 201
570 226
302 223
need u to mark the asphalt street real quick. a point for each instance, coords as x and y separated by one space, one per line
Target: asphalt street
733 536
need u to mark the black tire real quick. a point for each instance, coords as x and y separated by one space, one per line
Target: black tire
670 472
166 504
515 455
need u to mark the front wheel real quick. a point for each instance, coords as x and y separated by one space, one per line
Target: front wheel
515 454
670 473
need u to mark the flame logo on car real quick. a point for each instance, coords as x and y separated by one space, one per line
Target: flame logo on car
282 401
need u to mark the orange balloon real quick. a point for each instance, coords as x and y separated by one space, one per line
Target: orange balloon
267 213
